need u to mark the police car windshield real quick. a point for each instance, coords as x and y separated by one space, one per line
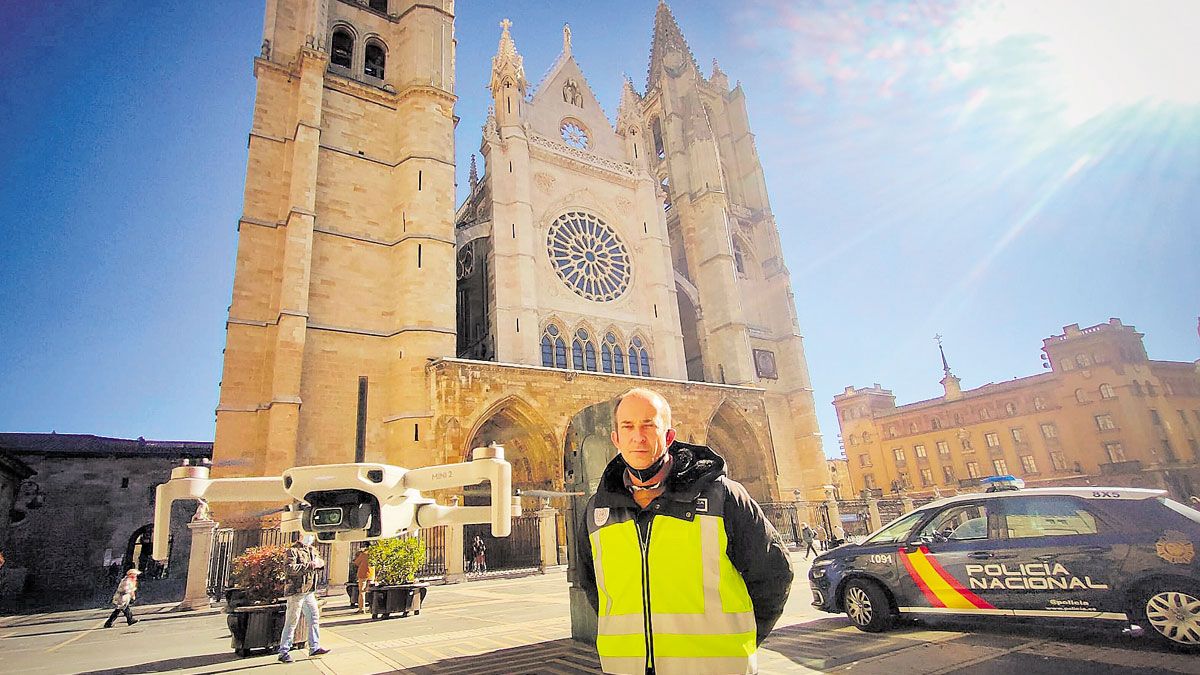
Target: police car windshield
897 530
1187 512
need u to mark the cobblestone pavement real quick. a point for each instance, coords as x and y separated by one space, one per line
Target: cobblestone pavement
521 626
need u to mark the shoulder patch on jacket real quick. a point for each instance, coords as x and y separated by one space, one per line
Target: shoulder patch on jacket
600 516
702 505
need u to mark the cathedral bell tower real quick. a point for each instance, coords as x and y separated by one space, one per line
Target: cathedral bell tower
340 293
736 306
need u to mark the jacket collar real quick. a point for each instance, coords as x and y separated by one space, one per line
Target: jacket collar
693 468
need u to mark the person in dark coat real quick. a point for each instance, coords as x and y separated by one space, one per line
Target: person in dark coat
699 607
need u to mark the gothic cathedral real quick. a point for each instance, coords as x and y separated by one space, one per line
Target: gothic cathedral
373 321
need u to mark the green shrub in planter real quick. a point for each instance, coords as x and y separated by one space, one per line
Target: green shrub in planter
396 561
262 572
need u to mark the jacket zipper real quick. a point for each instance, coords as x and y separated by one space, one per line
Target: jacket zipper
645 546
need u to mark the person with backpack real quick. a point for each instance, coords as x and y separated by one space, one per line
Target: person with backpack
808 537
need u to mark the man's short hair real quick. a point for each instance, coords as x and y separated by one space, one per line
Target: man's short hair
664 407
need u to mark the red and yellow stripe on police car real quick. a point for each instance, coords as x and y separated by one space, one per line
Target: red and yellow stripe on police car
939 587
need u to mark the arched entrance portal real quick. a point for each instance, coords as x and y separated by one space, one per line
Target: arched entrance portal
528 446
732 437
139 552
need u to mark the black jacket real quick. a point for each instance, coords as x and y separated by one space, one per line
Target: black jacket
754 547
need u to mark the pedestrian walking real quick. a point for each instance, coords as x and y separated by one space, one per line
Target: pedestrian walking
124 596
683 569
303 561
364 574
808 537
478 555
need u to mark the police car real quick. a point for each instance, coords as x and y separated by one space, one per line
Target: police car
1108 554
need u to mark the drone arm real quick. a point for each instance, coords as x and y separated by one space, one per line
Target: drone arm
432 515
493 469
192 482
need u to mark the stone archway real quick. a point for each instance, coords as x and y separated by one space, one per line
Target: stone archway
528 444
731 436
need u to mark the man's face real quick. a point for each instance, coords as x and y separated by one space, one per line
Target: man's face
641 434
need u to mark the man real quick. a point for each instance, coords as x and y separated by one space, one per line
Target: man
364 574
807 536
302 565
683 569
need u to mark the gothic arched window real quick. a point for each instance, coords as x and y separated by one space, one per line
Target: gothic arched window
639 357
583 351
656 131
342 48
611 357
375 59
554 348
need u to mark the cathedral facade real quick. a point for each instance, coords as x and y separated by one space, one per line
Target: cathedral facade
374 321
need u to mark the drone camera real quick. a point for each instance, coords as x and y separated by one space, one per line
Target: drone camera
330 511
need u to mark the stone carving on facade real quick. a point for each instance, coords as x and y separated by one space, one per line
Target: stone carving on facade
581 156
623 205
544 182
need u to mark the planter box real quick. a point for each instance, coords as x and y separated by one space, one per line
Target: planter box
403 599
260 627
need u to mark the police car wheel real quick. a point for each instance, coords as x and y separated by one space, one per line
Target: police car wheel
867 606
1170 613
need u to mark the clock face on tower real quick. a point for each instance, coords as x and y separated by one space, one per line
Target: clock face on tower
588 256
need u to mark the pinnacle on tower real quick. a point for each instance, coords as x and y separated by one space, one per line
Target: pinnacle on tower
566 39
627 109
507 62
667 38
473 179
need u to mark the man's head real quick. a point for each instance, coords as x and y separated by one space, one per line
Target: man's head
642 427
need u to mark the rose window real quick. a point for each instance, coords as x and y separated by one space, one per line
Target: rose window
588 256
574 135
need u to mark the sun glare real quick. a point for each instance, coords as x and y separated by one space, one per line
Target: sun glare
1100 54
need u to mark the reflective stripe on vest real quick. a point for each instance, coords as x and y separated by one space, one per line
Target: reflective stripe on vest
702 617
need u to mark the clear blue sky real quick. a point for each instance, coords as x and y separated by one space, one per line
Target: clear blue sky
984 172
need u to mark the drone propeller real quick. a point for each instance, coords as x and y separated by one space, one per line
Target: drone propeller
547 493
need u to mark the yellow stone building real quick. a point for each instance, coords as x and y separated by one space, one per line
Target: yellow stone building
373 320
1104 415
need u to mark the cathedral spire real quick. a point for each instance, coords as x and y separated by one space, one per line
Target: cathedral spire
668 48
628 109
507 64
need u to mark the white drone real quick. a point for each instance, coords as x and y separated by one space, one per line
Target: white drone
352 502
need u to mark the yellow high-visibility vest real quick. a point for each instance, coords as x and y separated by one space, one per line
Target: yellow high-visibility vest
675 602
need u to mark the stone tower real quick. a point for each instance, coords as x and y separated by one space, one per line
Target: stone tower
736 307
342 291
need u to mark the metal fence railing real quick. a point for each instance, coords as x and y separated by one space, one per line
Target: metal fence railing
520 550
228 544
785 519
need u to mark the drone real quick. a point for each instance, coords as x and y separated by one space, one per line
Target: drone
363 501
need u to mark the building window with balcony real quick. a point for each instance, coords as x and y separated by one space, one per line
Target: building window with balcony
1058 461
993 439
973 469
899 453
1105 422
1115 452
926 477
1018 435
1039 403
1000 467
947 475
1028 465
1106 391
864 460
919 450
943 448
1049 430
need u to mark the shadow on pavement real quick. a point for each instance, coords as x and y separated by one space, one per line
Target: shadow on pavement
546 658
180 663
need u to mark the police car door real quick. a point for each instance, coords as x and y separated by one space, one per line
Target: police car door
1064 561
939 556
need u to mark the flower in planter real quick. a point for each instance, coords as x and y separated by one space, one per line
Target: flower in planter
262 572
397 560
